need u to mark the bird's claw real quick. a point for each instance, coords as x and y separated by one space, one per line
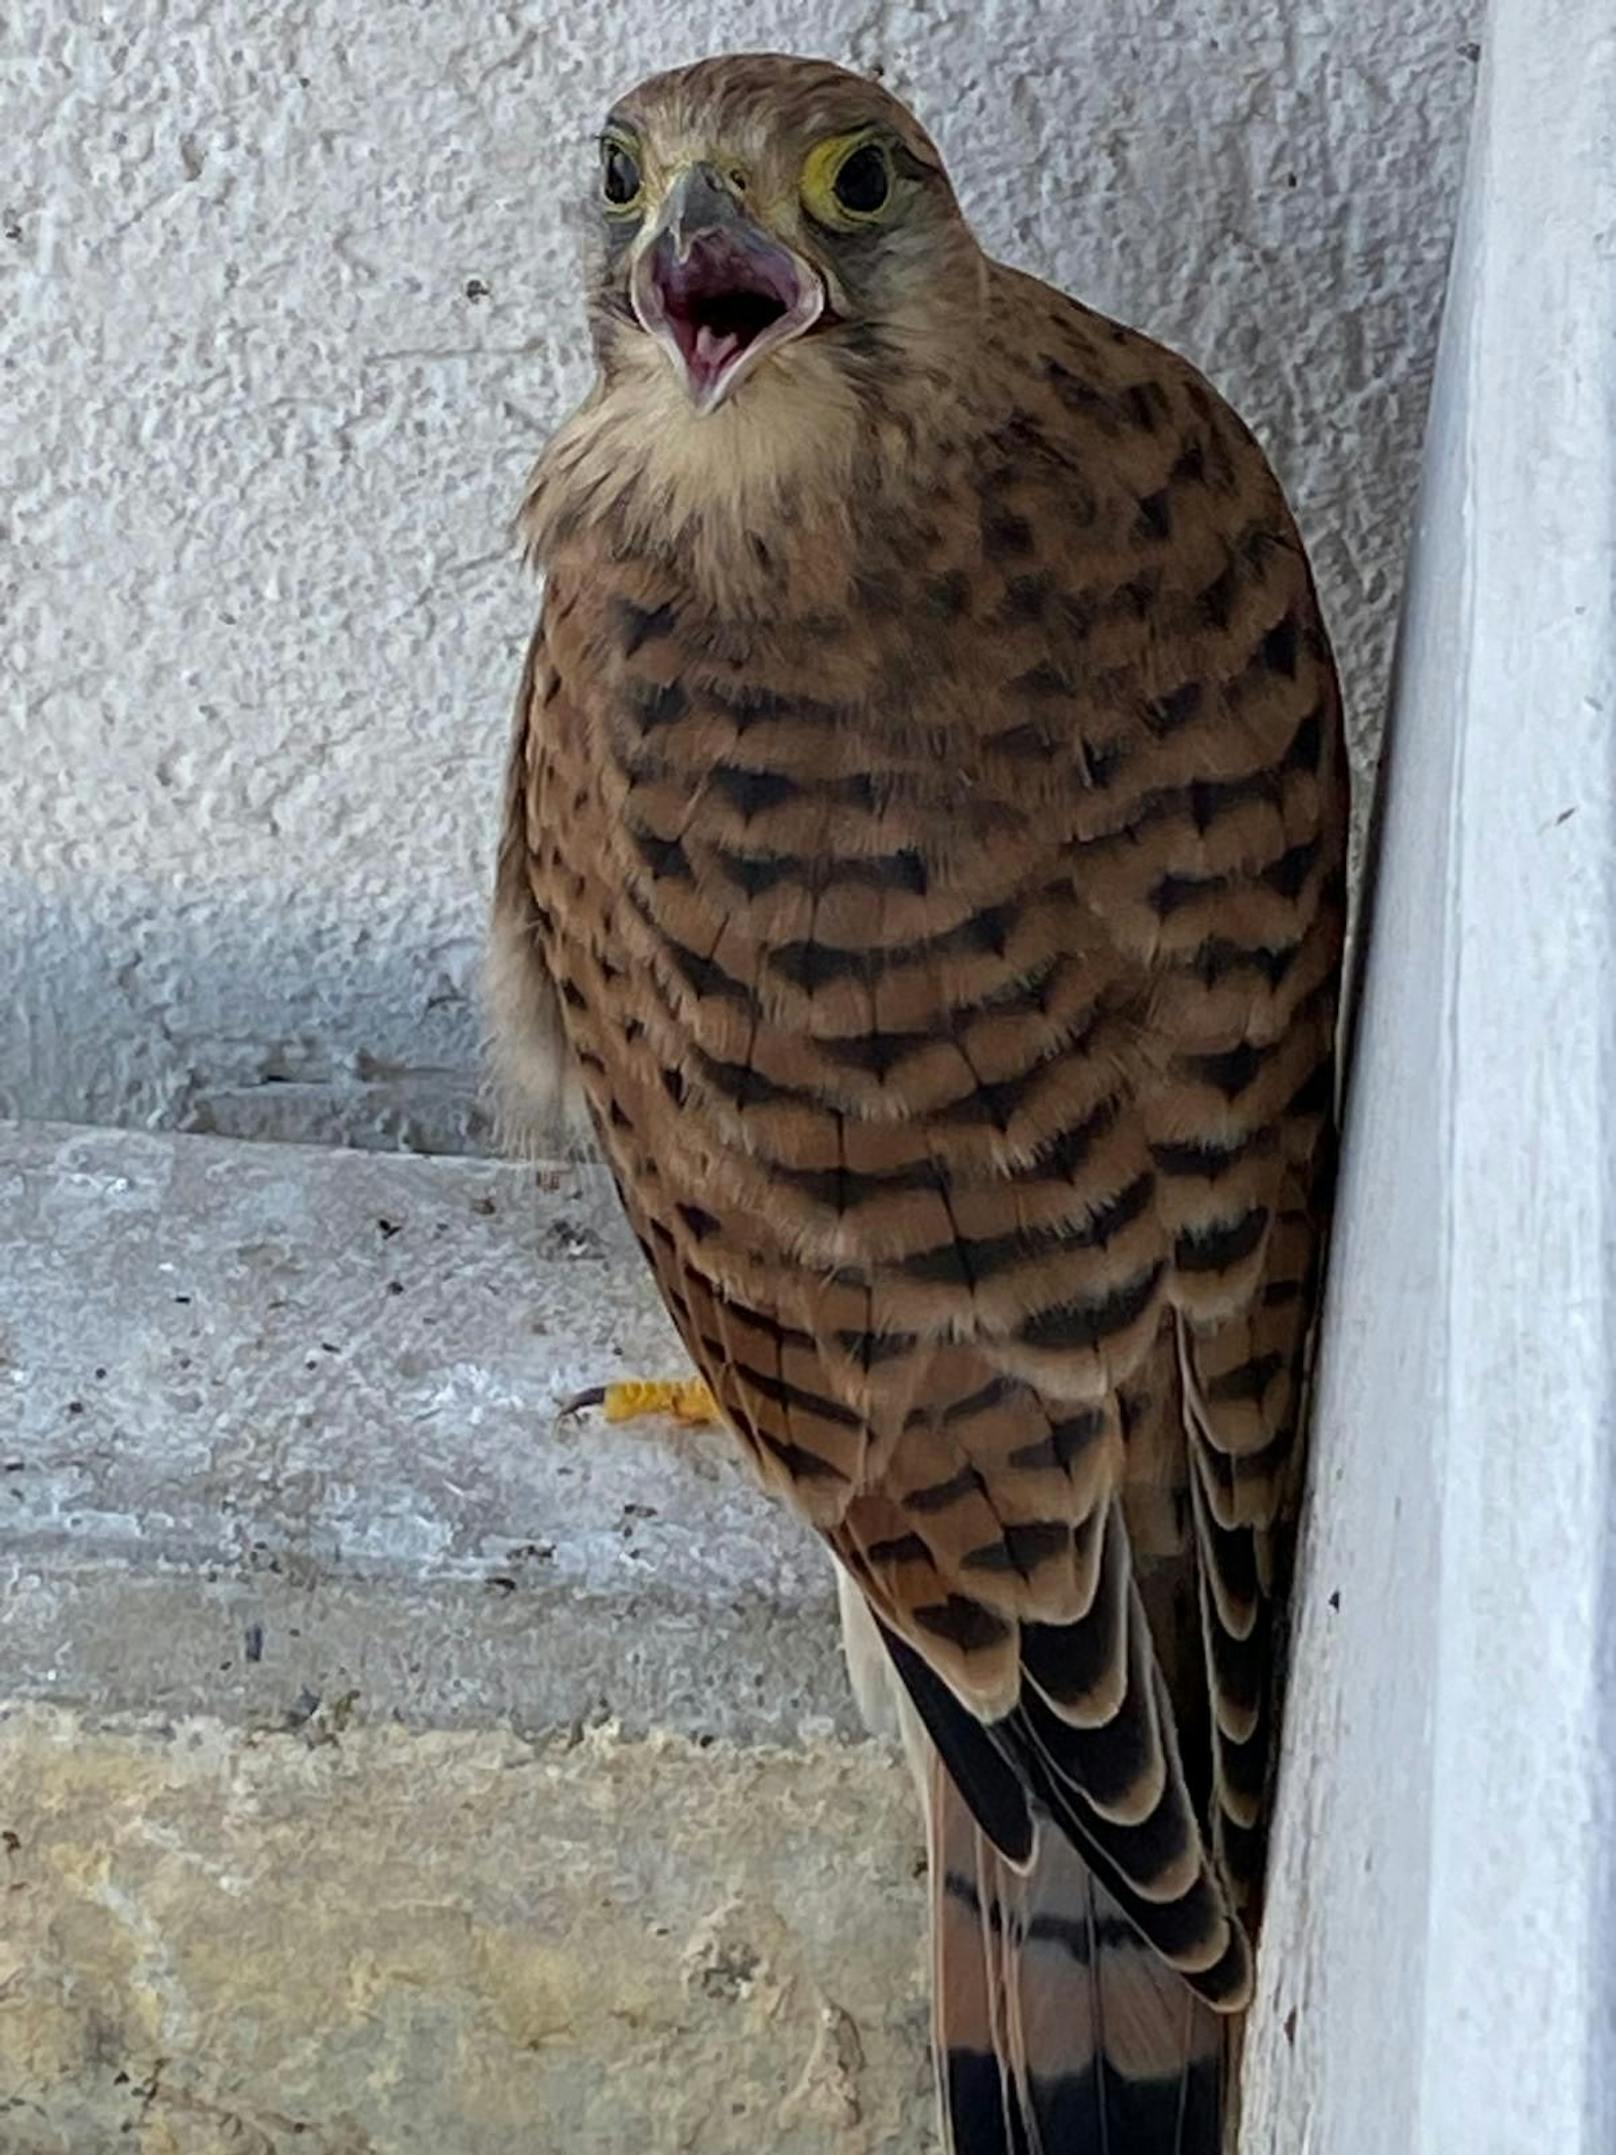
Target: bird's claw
687 1399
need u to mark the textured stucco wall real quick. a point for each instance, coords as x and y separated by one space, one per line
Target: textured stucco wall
288 305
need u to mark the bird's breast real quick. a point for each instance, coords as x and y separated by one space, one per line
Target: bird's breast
818 943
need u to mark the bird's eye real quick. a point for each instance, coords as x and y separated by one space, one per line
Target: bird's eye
848 181
864 181
619 176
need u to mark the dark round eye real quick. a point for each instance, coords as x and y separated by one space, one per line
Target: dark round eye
864 181
620 176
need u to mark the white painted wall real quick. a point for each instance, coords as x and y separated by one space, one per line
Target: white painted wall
1439 1964
288 304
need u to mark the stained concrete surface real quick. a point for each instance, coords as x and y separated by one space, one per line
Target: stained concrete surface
378 1941
387 1763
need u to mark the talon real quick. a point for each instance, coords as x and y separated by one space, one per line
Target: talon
687 1399
594 1397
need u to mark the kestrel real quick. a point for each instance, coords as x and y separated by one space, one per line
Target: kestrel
924 835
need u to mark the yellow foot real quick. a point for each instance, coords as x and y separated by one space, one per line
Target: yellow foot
687 1399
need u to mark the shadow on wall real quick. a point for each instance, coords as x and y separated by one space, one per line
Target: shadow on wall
218 1009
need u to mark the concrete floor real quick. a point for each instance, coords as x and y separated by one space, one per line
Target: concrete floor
386 1764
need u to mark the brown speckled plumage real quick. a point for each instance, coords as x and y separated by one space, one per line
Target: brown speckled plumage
926 824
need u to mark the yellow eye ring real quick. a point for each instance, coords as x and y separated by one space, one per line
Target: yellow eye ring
622 185
849 180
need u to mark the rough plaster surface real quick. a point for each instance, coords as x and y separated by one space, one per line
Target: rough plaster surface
289 302
278 1424
392 1943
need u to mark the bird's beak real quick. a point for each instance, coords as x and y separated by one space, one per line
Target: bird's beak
716 291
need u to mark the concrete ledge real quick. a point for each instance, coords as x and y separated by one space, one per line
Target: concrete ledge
389 1766
276 1420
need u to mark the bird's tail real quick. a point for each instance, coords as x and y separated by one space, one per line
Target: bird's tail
1058 2030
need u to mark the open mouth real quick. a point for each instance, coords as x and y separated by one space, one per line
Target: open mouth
734 296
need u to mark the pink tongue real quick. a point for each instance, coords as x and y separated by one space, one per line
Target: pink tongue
713 350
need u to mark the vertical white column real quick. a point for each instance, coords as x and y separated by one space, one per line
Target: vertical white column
1439 1971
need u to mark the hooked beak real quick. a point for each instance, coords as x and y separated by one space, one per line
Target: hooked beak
715 290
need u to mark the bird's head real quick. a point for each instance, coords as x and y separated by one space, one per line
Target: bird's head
763 216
